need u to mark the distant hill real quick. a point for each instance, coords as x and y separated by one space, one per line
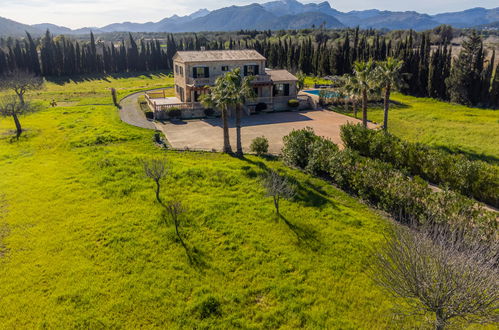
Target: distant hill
12 28
276 15
399 21
227 19
55 29
468 18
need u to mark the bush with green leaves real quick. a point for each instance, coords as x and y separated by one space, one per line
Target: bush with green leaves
298 147
472 178
407 199
174 113
321 150
260 145
209 112
293 103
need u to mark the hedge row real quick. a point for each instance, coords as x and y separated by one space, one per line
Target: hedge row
475 179
408 200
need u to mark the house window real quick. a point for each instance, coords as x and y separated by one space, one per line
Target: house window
251 70
196 96
281 90
201 72
225 68
176 69
181 70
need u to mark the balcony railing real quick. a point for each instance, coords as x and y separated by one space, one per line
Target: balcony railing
199 82
261 78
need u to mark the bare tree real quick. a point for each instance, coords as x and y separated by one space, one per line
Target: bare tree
174 209
10 106
21 82
278 187
156 169
441 272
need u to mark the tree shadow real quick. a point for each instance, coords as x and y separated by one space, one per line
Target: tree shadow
470 155
309 194
306 235
196 257
257 163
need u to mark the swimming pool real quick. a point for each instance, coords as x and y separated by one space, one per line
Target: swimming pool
327 94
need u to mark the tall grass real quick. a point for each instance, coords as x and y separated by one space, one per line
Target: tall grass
82 243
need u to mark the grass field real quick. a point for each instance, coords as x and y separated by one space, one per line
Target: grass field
82 242
457 128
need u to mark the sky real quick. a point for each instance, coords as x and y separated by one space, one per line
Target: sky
90 13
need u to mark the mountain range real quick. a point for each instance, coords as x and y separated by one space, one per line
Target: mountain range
276 15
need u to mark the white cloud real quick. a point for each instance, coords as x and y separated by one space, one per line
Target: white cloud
80 13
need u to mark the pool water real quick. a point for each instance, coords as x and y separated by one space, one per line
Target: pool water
326 94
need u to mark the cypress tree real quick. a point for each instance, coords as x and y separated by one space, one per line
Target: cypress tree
465 75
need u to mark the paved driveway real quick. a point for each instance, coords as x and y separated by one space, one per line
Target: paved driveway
206 134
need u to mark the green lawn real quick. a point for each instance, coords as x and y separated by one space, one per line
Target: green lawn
82 243
458 128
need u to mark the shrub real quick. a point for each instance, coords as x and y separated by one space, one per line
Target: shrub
293 103
260 145
209 307
260 107
471 178
298 146
321 150
409 200
209 112
174 113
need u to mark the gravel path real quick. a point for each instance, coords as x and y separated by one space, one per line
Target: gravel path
132 114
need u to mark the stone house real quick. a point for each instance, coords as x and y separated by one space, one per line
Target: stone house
195 71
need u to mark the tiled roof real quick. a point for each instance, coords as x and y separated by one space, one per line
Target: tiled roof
280 75
218 55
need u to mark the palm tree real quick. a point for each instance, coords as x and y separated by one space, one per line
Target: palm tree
219 97
352 90
240 90
388 76
364 73
300 84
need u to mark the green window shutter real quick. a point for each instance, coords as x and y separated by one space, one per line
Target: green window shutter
194 73
286 89
245 70
206 72
257 69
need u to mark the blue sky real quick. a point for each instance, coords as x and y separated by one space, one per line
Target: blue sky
81 13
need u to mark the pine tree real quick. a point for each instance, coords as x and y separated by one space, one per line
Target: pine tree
464 81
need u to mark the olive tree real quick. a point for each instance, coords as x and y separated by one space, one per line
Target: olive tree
156 169
278 187
21 82
10 106
173 211
441 272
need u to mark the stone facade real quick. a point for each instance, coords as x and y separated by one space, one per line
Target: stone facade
194 72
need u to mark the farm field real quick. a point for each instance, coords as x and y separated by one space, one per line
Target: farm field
83 242
472 131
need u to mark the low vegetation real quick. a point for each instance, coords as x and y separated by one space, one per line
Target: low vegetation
83 241
260 145
409 200
475 179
